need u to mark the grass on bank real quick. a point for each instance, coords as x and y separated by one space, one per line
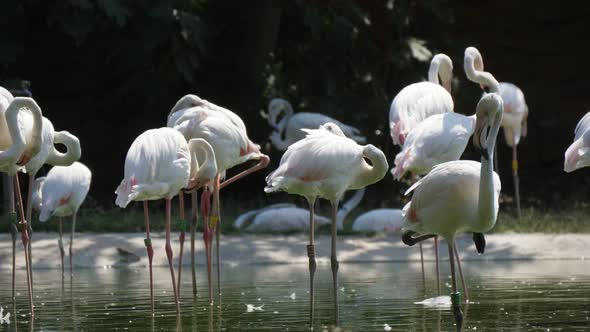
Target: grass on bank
534 220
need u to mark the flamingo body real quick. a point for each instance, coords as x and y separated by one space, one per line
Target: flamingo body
64 190
515 113
437 139
277 218
445 202
379 220
157 166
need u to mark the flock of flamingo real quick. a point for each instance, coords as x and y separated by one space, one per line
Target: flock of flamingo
323 158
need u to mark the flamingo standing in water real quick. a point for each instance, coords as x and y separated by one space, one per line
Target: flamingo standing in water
325 164
514 121
20 140
576 155
418 101
290 125
459 196
194 117
61 193
287 218
158 165
50 155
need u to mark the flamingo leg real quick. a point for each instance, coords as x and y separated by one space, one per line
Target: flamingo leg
217 212
30 222
169 254
182 226
312 262
422 266
455 296
516 179
150 251
60 243
25 240
437 265
13 230
72 244
193 228
205 207
465 291
334 261
264 160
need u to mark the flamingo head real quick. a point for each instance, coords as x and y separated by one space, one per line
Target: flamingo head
276 108
489 110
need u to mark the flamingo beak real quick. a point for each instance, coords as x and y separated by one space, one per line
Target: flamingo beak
480 242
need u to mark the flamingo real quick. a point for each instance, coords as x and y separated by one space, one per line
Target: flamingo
379 220
50 155
60 194
418 101
291 124
576 155
20 140
194 117
158 165
459 196
285 218
325 164
514 121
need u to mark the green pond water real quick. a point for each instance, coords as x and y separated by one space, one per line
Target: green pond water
507 296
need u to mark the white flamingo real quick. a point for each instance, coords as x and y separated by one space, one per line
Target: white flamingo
514 121
285 218
418 101
379 220
459 196
50 155
576 155
60 194
20 140
158 165
325 164
287 130
225 131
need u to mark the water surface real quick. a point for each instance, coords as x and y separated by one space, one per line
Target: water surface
509 296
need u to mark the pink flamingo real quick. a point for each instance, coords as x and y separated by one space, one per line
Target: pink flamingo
159 164
326 164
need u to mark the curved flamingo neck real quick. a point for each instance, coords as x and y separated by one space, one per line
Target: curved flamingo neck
348 206
441 66
73 153
19 143
473 66
371 174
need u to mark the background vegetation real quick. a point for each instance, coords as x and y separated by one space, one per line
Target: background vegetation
106 70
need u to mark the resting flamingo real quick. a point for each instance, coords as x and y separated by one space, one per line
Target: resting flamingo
50 155
379 220
158 165
61 193
459 196
20 140
194 117
514 121
418 101
287 218
325 164
287 130
576 155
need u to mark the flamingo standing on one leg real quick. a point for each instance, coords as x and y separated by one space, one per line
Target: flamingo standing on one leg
20 140
61 193
226 132
418 101
290 125
459 196
326 164
158 165
577 154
